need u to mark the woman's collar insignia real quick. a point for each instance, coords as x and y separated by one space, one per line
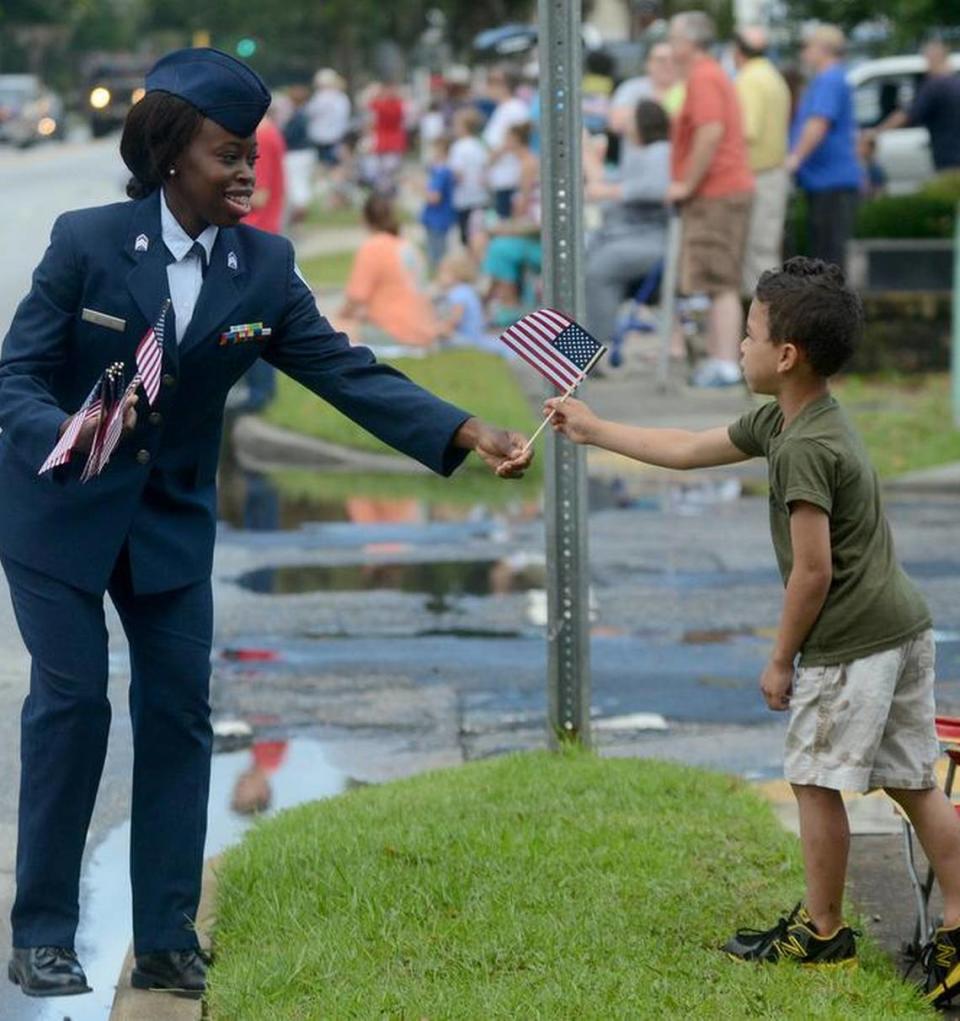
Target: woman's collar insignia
142 243
231 260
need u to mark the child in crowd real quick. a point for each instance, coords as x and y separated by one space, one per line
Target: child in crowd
438 214
512 253
461 310
386 303
873 178
468 161
861 694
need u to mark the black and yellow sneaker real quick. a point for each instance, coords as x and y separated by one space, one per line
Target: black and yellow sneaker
795 938
941 962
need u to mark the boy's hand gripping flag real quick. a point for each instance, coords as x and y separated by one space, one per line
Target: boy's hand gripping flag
559 349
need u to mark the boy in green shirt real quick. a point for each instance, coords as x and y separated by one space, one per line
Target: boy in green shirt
854 656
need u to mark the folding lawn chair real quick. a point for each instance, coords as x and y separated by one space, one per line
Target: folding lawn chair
662 280
644 295
948 733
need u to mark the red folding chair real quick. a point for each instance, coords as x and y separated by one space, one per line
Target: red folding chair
948 733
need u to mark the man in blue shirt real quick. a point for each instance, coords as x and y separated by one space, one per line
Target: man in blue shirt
823 146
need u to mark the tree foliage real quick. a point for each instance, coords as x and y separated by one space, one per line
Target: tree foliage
909 19
293 37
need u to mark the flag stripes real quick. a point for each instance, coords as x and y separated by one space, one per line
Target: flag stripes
554 345
112 429
149 356
63 451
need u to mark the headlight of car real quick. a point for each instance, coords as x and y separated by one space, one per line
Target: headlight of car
99 97
46 126
137 95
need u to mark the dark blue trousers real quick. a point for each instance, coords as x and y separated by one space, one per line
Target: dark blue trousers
64 727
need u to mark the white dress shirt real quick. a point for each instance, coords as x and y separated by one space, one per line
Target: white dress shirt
185 275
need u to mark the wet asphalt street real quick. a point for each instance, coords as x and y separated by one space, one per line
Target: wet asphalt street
361 650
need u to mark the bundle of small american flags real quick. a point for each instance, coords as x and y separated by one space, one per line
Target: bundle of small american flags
107 405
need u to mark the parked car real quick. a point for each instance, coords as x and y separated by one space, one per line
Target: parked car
113 86
880 87
29 111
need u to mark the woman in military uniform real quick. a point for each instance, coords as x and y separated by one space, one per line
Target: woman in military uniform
220 296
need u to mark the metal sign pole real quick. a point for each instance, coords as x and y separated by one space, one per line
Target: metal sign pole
568 612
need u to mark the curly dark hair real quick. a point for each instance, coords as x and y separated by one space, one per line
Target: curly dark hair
810 304
156 131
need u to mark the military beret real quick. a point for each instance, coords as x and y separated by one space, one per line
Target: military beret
218 85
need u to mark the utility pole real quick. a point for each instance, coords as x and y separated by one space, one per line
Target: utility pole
561 187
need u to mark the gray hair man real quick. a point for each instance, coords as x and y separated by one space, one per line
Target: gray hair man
713 187
823 146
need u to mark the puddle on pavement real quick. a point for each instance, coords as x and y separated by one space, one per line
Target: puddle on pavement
281 501
283 772
683 498
440 580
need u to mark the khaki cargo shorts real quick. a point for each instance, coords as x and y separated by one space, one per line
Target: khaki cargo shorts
865 724
713 243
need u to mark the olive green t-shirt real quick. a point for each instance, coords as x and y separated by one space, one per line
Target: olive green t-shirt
819 458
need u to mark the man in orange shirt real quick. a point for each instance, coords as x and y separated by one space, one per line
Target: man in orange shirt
713 185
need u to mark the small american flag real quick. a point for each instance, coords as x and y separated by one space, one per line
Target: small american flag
556 346
149 356
63 450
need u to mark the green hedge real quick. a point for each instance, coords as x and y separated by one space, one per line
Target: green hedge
907 216
928 213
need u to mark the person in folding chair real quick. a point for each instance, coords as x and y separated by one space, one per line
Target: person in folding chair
173 285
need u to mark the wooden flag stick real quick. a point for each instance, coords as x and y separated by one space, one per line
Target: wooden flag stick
570 389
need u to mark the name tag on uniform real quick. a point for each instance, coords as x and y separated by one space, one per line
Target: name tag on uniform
91 315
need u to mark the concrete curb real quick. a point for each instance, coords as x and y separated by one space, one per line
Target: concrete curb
944 478
131 1004
260 446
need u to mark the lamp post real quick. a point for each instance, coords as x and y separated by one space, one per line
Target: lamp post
568 623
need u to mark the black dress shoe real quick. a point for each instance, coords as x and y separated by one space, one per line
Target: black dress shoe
181 972
47 971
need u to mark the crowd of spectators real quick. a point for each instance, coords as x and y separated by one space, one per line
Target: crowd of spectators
712 132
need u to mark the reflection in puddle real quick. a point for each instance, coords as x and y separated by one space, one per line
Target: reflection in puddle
270 775
440 580
292 499
685 498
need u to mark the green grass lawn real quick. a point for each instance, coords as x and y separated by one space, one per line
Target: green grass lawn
906 421
322 216
479 382
328 271
534 886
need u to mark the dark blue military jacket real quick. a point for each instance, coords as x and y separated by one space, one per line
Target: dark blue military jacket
158 492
